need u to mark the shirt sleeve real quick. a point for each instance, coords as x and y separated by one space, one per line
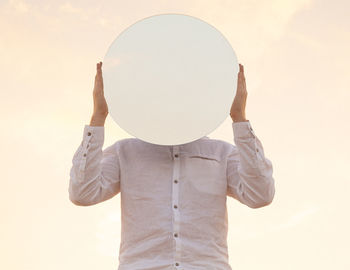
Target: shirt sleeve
249 172
95 174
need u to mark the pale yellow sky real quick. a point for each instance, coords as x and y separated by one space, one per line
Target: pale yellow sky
295 54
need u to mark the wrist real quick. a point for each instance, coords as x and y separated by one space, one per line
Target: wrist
238 119
97 120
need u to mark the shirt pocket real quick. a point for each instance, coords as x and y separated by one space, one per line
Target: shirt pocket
206 173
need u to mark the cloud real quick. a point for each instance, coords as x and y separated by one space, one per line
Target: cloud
250 26
19 6
68 8
82 13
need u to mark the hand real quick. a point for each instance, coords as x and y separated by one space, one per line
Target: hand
100 105
237 111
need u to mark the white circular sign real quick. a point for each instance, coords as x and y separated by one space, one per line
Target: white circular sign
170 79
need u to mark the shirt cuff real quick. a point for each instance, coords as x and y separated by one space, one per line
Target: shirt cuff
93 133
243 130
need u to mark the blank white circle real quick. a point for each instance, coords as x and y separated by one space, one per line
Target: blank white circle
170 79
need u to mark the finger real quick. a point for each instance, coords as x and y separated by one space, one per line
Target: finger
96 69
239 85
98 72
240 77
243 76
240 73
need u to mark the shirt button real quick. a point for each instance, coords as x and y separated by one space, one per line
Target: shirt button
175 181
175 206
175 234
177 264
89 134
84 155
257 150
176 155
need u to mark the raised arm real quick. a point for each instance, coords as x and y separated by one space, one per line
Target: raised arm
95 173
249 172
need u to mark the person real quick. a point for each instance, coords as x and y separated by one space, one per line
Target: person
173 198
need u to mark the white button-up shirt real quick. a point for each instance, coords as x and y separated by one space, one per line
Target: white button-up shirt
173 198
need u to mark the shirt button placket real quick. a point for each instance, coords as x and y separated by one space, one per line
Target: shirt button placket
175 206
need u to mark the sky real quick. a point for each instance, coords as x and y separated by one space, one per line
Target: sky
295 55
